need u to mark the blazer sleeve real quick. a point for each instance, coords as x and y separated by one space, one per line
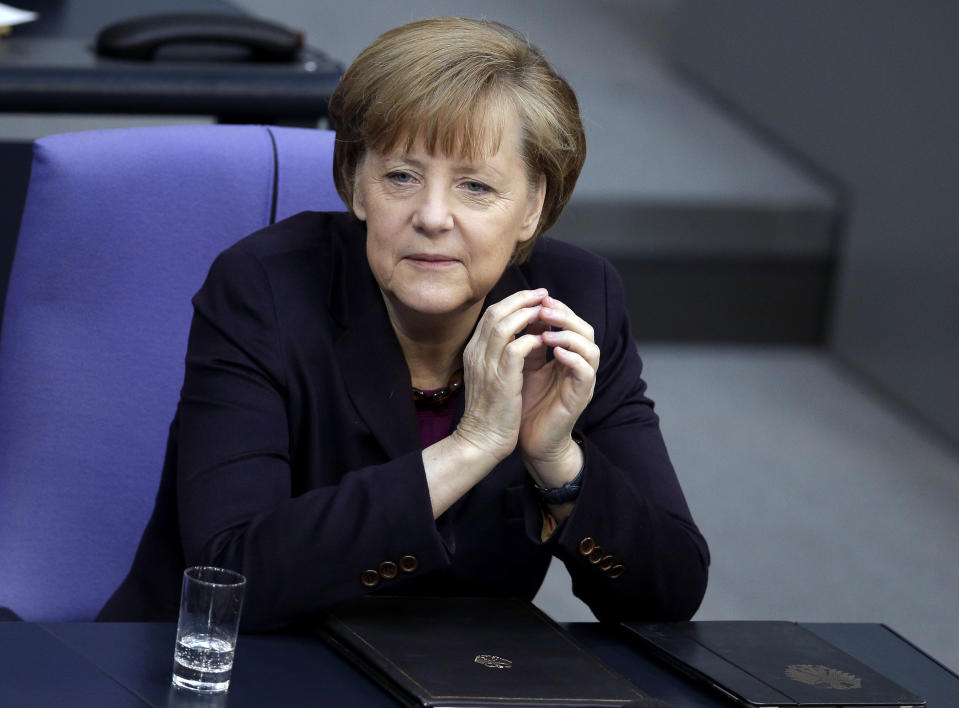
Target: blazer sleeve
236 504
630 545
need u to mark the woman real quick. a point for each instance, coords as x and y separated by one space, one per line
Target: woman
423 396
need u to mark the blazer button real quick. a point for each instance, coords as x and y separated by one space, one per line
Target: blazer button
587 545
596 555
388 570
606 562
616 571
408 564
370 578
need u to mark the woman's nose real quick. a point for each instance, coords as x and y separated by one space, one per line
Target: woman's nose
433 214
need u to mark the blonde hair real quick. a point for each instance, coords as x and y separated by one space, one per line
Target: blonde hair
452 82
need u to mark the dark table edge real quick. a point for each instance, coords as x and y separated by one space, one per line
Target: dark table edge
609 630
931 658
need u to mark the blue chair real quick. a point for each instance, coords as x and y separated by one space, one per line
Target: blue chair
118 231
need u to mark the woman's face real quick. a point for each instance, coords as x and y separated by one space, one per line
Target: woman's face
441 229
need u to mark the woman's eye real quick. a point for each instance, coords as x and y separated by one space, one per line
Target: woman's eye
476 188
401 178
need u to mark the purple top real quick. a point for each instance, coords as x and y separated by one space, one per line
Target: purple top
435 423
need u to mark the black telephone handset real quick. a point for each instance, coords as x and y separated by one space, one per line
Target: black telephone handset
144 37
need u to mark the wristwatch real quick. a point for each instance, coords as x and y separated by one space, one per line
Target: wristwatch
569 491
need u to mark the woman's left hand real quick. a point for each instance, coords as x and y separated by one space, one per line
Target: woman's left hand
555 393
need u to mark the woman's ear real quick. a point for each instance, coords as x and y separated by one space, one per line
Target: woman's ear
359 193
534 210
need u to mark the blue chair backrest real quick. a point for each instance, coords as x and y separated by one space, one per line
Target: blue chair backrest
119 229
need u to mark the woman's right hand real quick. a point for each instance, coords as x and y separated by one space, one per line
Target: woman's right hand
493 364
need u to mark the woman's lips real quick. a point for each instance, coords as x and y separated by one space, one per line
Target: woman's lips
431 260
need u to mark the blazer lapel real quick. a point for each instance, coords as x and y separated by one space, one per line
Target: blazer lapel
510 282
371 359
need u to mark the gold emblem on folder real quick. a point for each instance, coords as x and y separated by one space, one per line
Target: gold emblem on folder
493 662
818 675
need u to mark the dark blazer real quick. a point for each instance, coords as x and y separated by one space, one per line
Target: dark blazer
295 457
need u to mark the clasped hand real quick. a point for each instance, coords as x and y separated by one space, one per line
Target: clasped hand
515 396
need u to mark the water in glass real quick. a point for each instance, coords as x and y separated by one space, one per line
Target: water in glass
202 663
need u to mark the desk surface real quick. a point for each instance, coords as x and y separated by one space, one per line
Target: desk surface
63 75
50 66
88 664
84 18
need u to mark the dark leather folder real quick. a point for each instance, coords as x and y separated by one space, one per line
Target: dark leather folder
473 652
771 664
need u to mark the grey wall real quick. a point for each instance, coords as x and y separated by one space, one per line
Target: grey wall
869 90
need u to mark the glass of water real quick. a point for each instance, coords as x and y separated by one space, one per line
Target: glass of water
210 604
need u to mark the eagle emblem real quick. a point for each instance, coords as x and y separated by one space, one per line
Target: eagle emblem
493 662
818 675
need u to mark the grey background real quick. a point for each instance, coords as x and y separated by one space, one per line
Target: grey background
867 89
